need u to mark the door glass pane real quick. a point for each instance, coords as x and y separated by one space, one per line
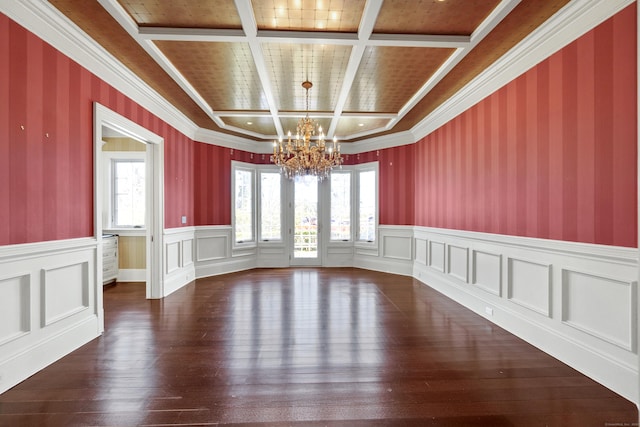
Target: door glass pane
305 239
340 206
367 206
243 206
270 223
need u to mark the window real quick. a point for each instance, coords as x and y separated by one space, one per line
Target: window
243 207
128 193
340 206
367 204
270 206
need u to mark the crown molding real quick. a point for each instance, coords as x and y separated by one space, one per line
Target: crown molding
46 22
208 136
378 143
567 25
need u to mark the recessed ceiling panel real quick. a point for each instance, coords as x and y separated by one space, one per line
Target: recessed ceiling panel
261 125
308 15
291 64
289 124
448 17
348 126
183 13
389 76
224 74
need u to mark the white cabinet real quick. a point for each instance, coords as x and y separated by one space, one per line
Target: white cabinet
109 258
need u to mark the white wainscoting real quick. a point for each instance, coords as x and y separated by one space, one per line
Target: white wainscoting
178 258
214 254
393 253
49 304
574 301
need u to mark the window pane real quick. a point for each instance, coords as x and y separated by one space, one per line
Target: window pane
129 193
270 223
243 206
367 206
340 206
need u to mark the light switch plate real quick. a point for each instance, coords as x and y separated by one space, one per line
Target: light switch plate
184 219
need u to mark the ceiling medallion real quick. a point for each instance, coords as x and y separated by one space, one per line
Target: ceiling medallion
301 156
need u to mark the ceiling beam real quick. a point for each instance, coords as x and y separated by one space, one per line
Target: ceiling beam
305 37
419 40
250 28
365 29
191 34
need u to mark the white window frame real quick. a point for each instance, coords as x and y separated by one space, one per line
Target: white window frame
346 170
108 219
366 167
248 167
258 192
324 208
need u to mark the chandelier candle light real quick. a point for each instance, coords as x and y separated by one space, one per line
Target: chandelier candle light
299 157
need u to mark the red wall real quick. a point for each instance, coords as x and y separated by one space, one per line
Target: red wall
551 155
395 182
46 183
212 181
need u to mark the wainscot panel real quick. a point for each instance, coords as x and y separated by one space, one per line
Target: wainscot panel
49 304
180 268
213 254
487 272
395 253
575 301
458 261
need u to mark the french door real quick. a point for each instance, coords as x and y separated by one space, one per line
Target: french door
305 227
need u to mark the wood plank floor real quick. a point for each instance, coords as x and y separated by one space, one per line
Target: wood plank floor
306 347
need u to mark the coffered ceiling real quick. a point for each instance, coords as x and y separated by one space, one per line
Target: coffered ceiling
377 66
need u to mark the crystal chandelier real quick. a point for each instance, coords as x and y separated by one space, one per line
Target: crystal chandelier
300 156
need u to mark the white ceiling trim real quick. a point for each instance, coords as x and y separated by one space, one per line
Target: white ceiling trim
365 28
250 28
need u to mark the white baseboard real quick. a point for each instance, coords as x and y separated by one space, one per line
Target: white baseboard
132 275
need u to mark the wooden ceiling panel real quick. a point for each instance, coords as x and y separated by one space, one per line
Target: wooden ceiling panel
449 17
305 15
348 126
389 76
183 13
263 125
291 64
224 74
290 124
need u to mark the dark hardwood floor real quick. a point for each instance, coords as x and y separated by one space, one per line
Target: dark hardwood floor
306 347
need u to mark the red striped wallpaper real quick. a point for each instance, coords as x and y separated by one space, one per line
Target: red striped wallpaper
550 155
396 186
46 143
212 186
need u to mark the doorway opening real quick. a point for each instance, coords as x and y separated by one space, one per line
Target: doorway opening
306 221
106 123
